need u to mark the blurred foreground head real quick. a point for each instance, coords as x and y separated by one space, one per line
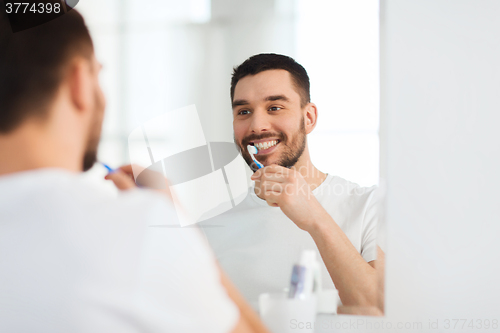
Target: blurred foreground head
49 90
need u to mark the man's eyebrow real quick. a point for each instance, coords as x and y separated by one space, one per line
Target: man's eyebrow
271 98
277 98
239 102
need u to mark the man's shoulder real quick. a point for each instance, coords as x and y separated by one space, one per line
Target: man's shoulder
63 193
145 206
341 187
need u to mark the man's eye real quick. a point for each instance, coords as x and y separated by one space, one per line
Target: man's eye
275 108
243 112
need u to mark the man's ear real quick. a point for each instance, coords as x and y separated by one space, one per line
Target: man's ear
79 81
310 117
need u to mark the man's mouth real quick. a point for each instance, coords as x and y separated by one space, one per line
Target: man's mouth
265 146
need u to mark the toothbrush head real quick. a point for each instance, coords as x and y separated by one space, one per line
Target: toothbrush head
252 149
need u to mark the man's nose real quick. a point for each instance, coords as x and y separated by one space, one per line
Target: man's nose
260 122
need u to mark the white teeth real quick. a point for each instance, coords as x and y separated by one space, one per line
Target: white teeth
266 145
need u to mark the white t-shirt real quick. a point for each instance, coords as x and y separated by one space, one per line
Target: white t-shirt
75 259
257 245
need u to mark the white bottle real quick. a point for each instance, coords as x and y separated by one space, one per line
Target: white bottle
312 278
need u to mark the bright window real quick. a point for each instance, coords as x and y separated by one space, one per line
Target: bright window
337 43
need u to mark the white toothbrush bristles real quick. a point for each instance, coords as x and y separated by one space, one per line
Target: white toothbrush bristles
252 149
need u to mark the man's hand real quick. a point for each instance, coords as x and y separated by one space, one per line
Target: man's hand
288 190
358 282
123 178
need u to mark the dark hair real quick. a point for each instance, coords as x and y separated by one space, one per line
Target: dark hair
33 62
267 61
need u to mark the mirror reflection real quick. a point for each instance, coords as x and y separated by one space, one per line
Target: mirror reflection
296 80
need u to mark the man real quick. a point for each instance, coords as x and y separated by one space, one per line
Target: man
293 206
72 258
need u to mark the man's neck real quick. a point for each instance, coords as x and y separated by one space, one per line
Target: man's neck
33 146
311 174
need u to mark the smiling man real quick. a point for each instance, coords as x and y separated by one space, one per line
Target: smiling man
293 206
72 257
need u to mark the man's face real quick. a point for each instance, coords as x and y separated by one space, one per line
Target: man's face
267 113
94 135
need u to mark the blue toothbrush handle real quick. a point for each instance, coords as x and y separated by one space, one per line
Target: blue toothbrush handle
110 170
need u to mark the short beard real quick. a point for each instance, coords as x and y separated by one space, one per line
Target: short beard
90 155
290 157
291 153
89 159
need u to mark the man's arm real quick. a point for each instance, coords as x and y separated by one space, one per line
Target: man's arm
356 280
249 320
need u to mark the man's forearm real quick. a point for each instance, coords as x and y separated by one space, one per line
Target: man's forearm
354 278
249 321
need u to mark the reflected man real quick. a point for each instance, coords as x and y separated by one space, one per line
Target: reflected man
292 206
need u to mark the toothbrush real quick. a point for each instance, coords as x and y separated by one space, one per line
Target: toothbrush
110 170
253 150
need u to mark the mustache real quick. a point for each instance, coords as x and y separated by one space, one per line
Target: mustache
254 137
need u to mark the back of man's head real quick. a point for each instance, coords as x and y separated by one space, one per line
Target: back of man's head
269 61
32 65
